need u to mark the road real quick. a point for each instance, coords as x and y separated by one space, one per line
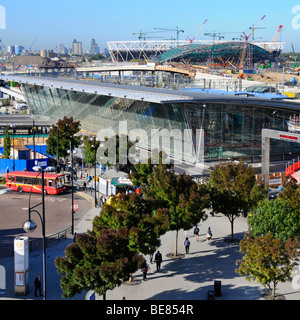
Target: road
14 211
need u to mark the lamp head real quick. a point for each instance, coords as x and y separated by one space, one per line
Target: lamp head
29 226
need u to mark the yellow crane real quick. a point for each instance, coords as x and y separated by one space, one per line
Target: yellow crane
111 56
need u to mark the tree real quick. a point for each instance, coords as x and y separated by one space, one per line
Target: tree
267 260
7 144
67 128
97 56
274 216
291 195
90 150
97 263
109 254
113 152
181 195
144 222
142 170
233 190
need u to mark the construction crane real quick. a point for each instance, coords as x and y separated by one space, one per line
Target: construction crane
3 45
243 55
111 57
253 28
33 43
177 31
192 40
275 38
214 35
295 58
142 35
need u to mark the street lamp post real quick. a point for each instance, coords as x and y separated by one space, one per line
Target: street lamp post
33 138
13 126
30 226
72 186
95 160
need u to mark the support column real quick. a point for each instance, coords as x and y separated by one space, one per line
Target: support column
265 159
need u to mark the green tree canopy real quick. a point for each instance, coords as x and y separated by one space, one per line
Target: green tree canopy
7 144
98 264
115 151
181 195
274 216
144 222
234 190
267 260
141 171
109 254
291 195
89 149
67 128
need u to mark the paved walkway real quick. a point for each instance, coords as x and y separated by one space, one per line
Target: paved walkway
189 278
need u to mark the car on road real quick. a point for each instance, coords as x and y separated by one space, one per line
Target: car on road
260 89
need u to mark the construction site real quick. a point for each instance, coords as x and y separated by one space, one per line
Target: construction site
219 64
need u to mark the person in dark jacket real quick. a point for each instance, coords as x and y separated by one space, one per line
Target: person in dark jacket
158 260
38 285
187 245
196 233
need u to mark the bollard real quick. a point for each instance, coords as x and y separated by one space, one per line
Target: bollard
217 288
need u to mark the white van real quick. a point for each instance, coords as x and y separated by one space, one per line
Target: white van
21 106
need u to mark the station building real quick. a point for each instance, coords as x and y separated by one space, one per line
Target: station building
232 123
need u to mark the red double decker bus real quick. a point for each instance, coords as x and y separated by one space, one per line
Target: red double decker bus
27 181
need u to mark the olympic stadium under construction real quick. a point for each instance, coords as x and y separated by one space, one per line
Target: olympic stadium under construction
198 51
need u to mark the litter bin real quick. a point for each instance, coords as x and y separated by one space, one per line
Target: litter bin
217 288
210 295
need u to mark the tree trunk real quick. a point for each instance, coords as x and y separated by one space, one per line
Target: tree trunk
232 234
176 244
273 293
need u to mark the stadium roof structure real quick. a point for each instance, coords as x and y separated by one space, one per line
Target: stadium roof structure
144 49
215 52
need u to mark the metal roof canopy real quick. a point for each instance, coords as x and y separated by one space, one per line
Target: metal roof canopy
106 89
268 134
147 94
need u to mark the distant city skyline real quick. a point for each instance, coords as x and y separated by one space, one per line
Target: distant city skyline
60 22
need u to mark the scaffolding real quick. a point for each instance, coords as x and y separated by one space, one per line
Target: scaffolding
127 50
227 51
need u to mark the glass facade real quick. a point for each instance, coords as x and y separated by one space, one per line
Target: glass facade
232 130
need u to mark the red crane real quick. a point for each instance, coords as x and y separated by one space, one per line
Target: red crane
246 43
192 40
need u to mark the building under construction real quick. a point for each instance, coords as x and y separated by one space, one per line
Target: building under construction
198 51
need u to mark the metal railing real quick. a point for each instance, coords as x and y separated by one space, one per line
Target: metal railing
37 244
175 82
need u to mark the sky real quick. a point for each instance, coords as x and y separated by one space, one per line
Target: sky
56 22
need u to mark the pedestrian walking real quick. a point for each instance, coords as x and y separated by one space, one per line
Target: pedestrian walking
208 235
187 245
145 270
196 233
185 233
38 285
151 257
158 260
